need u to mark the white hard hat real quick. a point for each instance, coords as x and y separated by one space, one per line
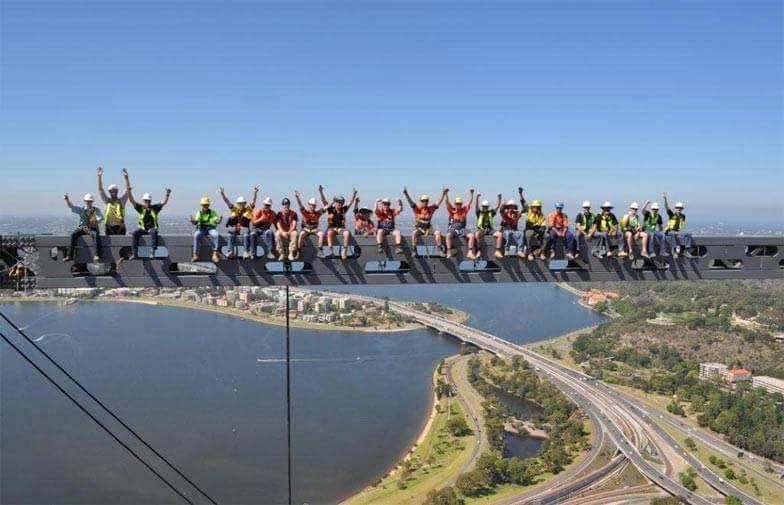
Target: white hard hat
112 187
267 201
607 204
88 197
654 206
240 199
312 201
385 200
679 205
146 196
485 203
586 204
510 202
634 205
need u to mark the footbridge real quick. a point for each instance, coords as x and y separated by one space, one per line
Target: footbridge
37 261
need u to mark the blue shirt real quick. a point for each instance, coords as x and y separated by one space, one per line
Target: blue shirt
89 218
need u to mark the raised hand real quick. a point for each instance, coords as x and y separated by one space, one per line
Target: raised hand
320 188
520 189
471 191
65 197
255 189
99 171
297 194
124 172
168 191
222 192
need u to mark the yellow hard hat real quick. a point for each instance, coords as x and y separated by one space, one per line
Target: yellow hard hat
204 201
423 198
536 203
459 199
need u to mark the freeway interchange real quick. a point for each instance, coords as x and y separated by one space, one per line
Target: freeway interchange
628 423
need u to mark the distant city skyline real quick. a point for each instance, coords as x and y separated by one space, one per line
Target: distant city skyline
597 101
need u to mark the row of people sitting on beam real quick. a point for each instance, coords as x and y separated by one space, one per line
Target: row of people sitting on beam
282 240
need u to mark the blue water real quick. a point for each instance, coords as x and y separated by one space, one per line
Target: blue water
207 390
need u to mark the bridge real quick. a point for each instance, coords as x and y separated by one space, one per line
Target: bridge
715 258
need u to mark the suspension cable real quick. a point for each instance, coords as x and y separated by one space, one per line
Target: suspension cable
102 405
95 419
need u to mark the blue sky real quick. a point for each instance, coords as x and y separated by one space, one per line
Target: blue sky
574 100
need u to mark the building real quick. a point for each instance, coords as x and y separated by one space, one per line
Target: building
710 370
771 384
222 302
736 375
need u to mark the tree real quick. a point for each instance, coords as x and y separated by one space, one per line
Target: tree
471 483
691 444
491 465
730 474
732 500
688 481
444 496
458 427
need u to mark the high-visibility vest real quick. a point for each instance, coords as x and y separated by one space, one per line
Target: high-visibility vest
484 220
148 211
115 209
630 223
588 220
206 219
605 223
650 221
534 220
676 222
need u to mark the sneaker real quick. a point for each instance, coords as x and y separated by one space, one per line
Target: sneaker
448 254
66 258
231 255
597 254
344 253
291 256
645 255
321 253
272 256
499 253
246 255
631 257
215 257
652 255
675 255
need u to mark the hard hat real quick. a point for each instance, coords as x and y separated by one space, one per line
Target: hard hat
536 203
146 197
654 206
679 205
340 198
385 200
559 205
586 204
88 197
204 201
364 208
267 201
312 201
511 203
240 199
112 187
459 199
485 203
424 198
634 205
607 205
285 201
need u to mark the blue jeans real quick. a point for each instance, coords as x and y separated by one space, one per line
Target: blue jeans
604 241
214 238
234 232
514 237
675 238
655 241
267 236
569 241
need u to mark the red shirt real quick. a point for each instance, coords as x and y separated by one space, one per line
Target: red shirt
264 218
385 214
510 217
285 219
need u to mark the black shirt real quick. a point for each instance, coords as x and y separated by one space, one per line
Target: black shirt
146 214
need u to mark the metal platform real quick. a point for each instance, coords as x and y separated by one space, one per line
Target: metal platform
717 258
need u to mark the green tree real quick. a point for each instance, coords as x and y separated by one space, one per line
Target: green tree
732 500
443 496
730 474
687 481
471 483
492 467
458 427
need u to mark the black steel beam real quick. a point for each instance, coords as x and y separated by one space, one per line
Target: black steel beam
718 258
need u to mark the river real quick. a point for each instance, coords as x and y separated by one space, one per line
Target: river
207 390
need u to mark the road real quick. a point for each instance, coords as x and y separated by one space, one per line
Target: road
461 387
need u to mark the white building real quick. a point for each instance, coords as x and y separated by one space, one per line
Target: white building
771 384
711 370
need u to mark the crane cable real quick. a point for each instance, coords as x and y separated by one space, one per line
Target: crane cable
105 408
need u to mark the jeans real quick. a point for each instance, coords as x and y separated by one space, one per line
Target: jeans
233 233
214 238
604 241
267 236
115 229
674 238
569 241
655 241
94 232
514 237
137 235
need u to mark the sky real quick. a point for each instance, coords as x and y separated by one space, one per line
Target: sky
572 100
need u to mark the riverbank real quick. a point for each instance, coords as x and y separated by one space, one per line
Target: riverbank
457 315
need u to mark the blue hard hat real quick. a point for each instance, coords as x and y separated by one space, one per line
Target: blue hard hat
559 205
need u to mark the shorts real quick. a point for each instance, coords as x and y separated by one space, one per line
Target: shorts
423 228
336 229
310 230
457 230
386 225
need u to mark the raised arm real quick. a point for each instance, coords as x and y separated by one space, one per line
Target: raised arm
666 203
324 201
101 192
399 206
377 205
408 197
470 198
68 202
498 204
448 203
523 205
299 200
478 198
226 198
443 196
255 196
165 200
645 207
353 198
128 189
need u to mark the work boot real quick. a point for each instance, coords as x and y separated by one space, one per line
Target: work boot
231 254
569 256
96 259
215 257
521 254
246 255
132 257
380 249
688 254
542 256
272 256
622 254
194 257
499 253
398 249
552 254
344 253
645 255
530 257
66 258
449 253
